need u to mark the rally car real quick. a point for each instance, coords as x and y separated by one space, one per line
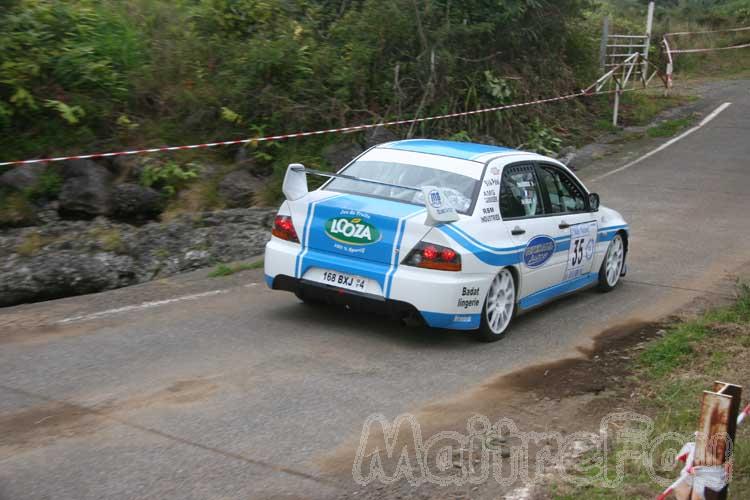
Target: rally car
457 235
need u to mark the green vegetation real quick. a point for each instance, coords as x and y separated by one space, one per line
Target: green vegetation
32 243
107 74
668 128
109 240
227 270
47 187
168 176
15 209
89 74
669 377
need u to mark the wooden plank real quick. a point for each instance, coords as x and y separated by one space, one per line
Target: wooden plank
735 392
713 426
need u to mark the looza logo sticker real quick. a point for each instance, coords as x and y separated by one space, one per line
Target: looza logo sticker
352 231
538 251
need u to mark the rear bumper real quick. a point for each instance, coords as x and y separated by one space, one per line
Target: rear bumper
394 309
335 296
440 299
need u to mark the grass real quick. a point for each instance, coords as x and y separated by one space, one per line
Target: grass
640 109
227 269
668 378
730 64
15 209
31 245
668 128
109 240
202 195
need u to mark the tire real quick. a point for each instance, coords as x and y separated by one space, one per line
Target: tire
612 265
499 307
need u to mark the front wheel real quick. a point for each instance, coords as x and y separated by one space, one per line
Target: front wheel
499 307
611 270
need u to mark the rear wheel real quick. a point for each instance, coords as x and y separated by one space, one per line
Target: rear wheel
609 273
499 307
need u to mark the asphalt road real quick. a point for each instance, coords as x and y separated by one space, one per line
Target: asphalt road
240 392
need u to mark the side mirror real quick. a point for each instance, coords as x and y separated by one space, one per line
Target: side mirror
295 182
594 201
439 209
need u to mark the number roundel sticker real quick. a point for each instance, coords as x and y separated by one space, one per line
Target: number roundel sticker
538 251
582 248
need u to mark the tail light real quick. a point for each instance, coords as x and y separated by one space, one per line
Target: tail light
284 229
432 256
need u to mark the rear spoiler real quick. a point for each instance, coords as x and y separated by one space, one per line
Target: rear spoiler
438 207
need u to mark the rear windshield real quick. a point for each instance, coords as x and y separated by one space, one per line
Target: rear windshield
459 189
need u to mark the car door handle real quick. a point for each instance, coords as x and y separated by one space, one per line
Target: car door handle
563 225
516 231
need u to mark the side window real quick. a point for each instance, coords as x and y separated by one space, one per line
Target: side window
564 195
519 192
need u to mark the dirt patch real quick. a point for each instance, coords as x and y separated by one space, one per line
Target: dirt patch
39 334
45 423
564 396
181 392
603 366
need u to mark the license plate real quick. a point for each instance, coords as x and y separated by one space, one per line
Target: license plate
343 280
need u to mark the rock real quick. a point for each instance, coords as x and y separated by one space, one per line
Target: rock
240 189
486 139
338 155
126 167
379 135
136 203
62 274
22 177
78 168
69 257
86 191
567 157
48 214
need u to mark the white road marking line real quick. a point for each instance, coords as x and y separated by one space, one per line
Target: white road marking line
664 146
138 307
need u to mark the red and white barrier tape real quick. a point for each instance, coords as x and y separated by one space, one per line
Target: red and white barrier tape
671 51
582 93
728 30
693 51
712 477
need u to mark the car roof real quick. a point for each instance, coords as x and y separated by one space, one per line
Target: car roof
452 149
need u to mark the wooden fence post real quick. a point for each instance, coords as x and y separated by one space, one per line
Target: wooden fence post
603 46
716 431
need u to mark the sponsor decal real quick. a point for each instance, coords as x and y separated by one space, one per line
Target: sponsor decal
473 297
538 251
490 196
462 319
435 199
352 231
590 249
495 171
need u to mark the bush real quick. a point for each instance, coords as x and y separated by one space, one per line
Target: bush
106 74
168 176
15 209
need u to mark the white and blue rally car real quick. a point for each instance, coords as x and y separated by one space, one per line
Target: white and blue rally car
458 235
